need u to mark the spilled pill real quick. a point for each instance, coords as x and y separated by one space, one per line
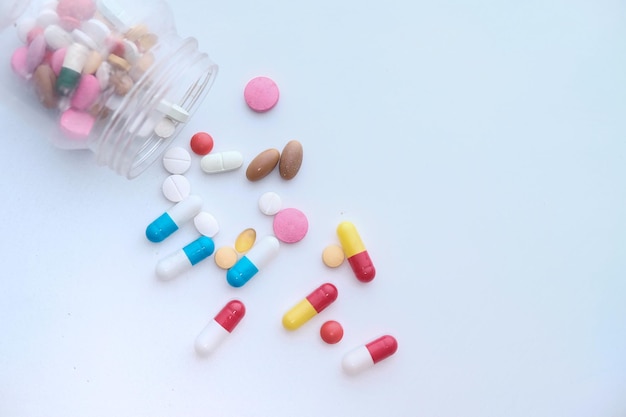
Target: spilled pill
366 356
183 259
177 160
261 94
206 224
310 306
290 160
176 188
168 222
270 203
252 262
226 257
262 164
218 329
214 163
245 240
355 252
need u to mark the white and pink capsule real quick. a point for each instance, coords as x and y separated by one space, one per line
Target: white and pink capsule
366 356
219 328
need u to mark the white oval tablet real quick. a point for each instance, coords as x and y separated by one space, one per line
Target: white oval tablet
57 37
270 203
221 162
177 160
96 30
176 188
206 224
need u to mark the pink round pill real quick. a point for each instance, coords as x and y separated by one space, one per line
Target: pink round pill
290 225
261 94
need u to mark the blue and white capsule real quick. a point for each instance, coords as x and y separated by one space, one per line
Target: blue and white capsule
183 259
254 260
169 222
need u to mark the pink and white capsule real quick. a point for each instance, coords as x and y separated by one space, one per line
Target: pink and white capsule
366 356
219 328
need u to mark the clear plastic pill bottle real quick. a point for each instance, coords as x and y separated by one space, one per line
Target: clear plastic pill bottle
111 76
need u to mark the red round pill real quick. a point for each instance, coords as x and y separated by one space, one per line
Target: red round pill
331 332
201 143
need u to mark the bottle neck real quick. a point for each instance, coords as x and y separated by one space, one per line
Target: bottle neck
133 136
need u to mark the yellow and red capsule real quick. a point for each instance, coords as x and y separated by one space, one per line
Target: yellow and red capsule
310 306
355 251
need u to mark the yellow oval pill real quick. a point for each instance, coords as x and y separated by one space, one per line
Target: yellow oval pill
245 240
225 257
333 256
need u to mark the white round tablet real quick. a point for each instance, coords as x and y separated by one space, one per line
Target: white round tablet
177 160
206 224
270 203
176 188
165 128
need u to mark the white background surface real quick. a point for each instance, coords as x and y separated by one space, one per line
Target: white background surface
478 146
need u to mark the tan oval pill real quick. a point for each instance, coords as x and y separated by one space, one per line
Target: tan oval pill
245 240
262 164
94 59
225 257
333 256
290 159
44 80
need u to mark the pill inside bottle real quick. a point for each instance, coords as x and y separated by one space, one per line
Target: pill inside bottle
103 75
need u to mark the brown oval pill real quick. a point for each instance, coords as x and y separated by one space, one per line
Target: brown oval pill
290 160
44 80
262 164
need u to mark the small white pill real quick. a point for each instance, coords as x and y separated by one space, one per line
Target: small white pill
270 203
103 74
96 30
174 111
165 128
81 37
47 17
176 188
221 162
177 160
206 224
57 37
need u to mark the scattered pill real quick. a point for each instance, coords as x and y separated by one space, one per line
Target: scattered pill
226 257
201 143
219 328
183 259
165 128
270 203
168 222
206 224
245 240
290 225
262 164
331 332
364 357
261 94
176 160
252 262
290 160
355 252
333 256
310 306
214 163
176 188
76 124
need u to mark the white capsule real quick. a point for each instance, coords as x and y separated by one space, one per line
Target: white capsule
210 338
221 162
170 221
253 261
183 259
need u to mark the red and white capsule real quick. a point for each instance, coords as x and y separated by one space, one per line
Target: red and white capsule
219 328
366 356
